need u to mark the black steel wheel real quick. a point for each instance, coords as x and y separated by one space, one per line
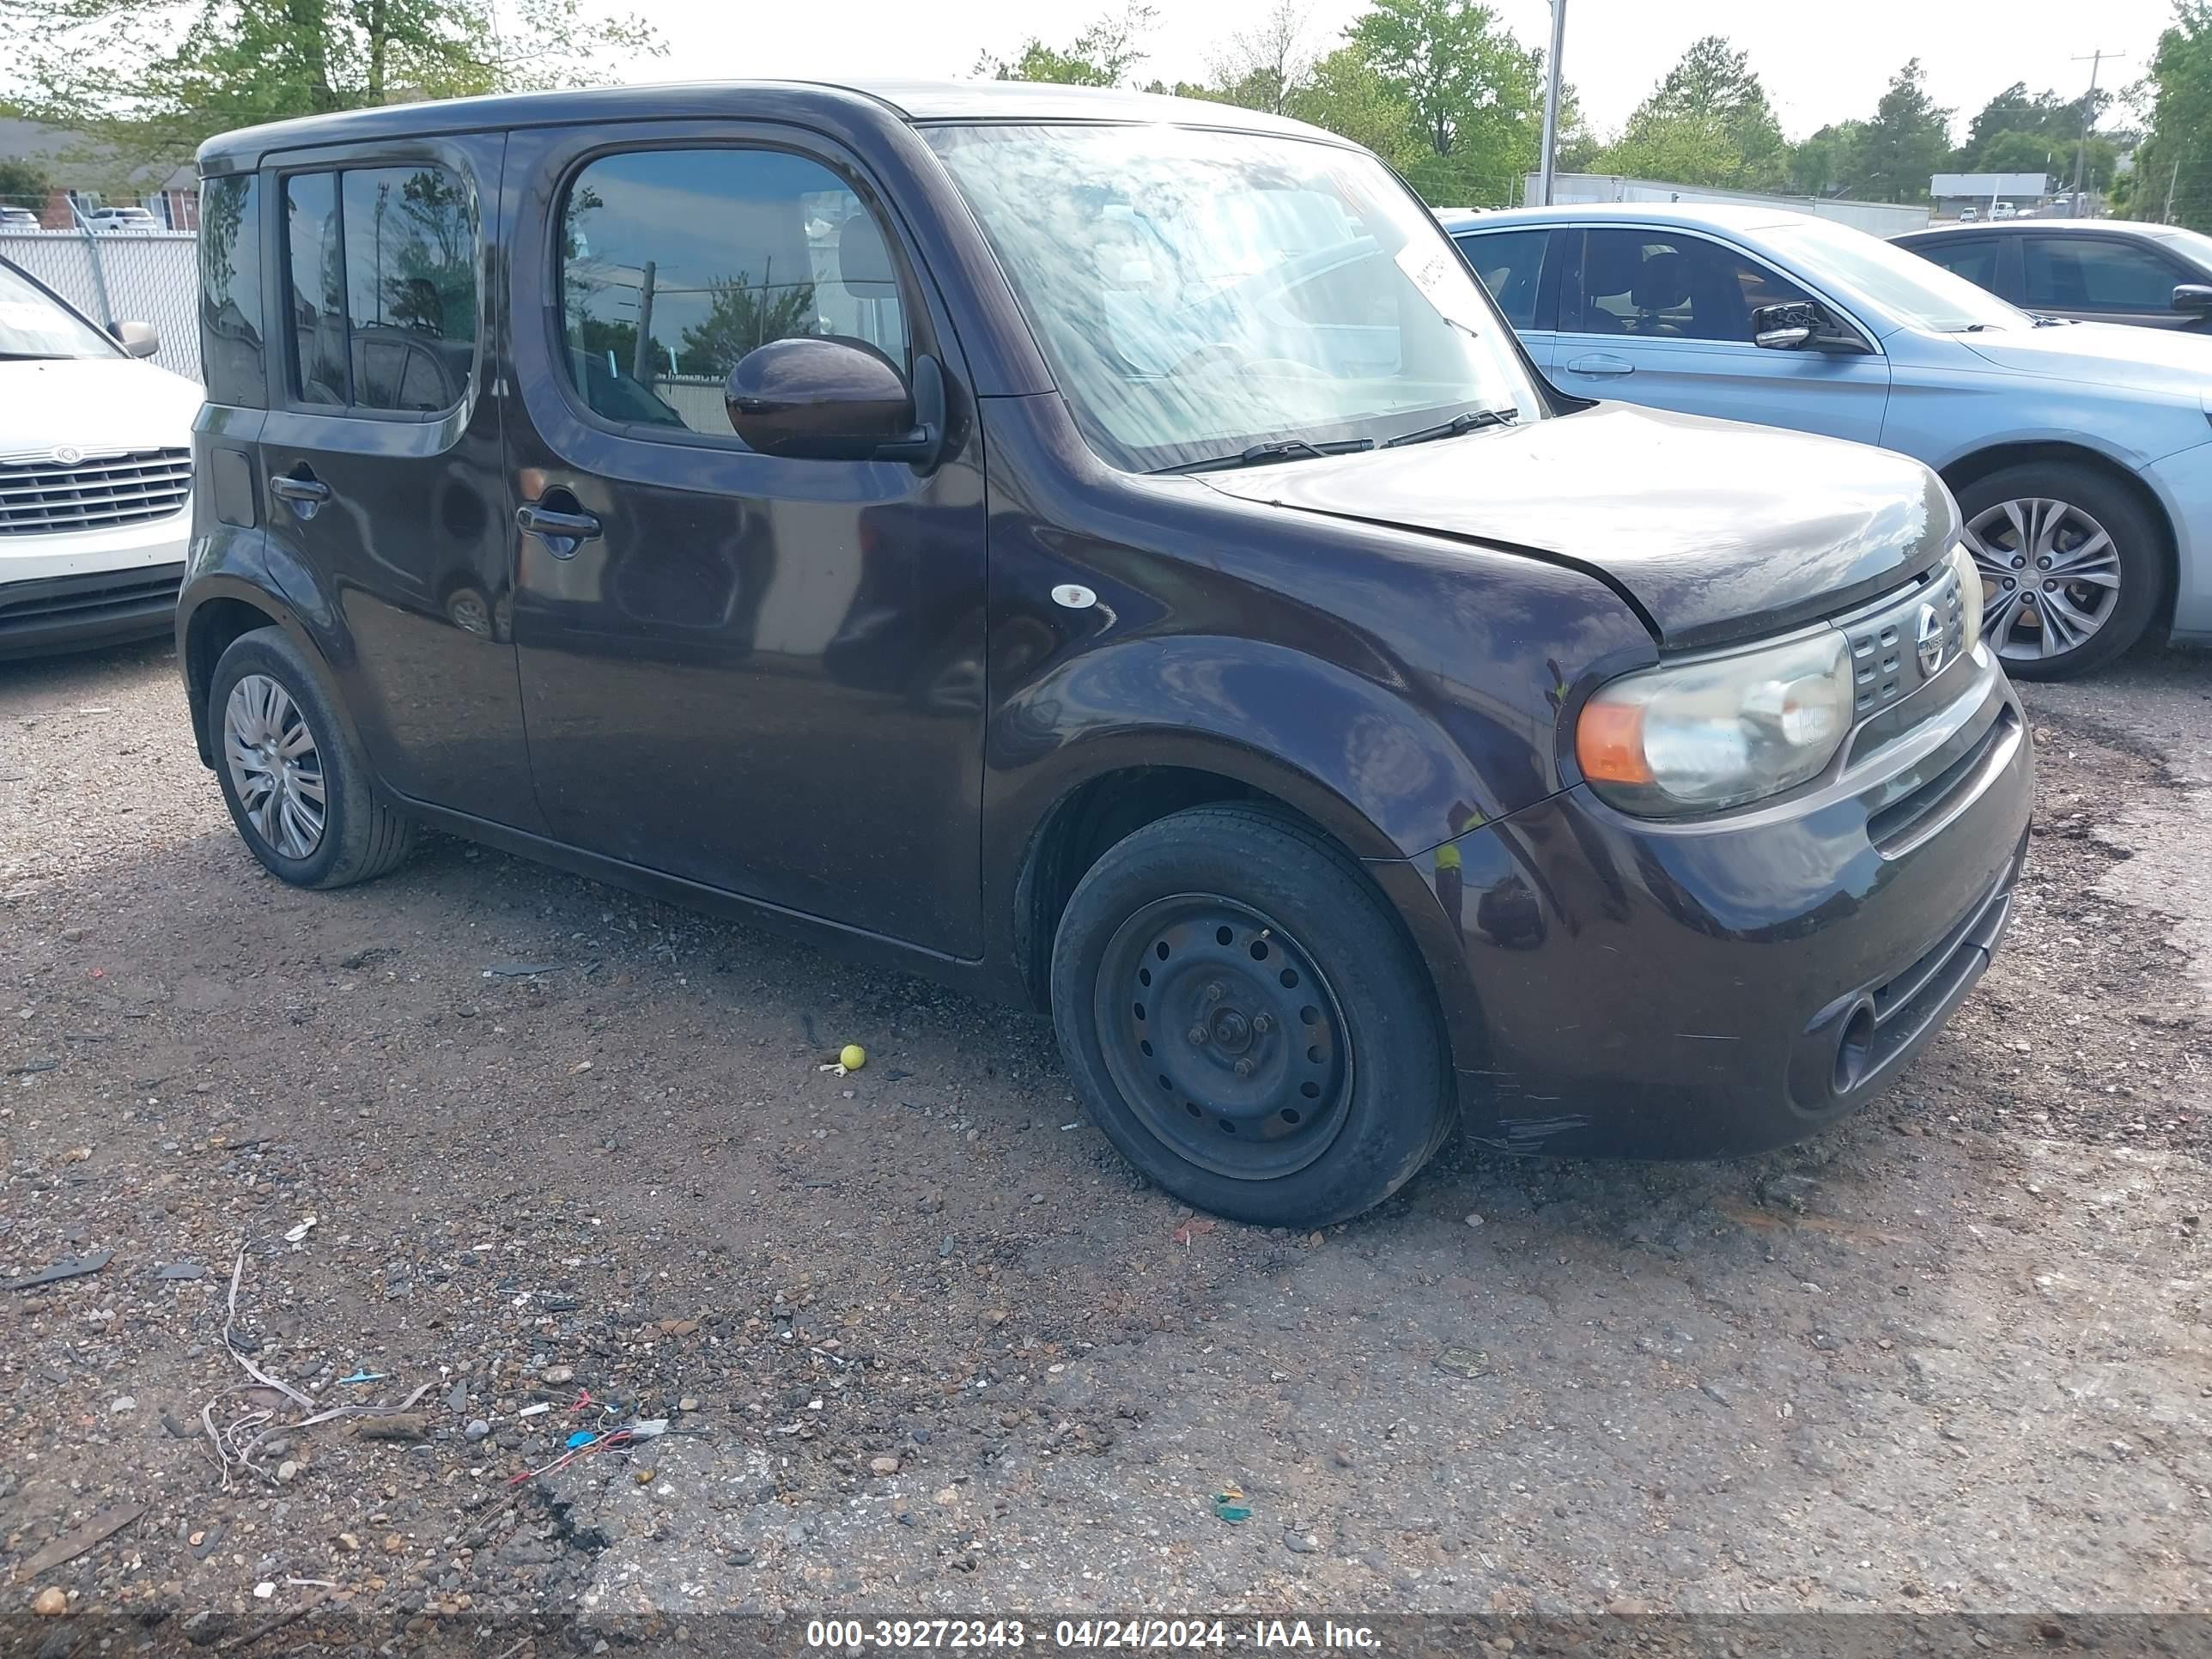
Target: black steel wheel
1224 1036
1250 1025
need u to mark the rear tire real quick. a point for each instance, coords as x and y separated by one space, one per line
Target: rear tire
2091 574
295 781
1249 1025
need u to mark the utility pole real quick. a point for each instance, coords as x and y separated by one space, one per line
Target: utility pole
2096 61
641 356
1552 99
2172 179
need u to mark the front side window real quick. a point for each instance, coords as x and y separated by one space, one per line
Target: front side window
32 325
381 288
1665 285
676 263
1196 293
230 290
1510 262
1973 257
2081 273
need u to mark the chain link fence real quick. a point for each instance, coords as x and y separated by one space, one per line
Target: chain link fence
116 276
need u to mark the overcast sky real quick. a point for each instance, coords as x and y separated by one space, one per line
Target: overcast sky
1821 62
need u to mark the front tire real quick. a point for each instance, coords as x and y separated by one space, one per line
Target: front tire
2073 567
296 782
1249 1025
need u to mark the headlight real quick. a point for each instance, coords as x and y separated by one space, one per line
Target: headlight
1971 596
1705 735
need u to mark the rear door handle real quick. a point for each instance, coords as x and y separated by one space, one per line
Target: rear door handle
305 494
561 533
1601 362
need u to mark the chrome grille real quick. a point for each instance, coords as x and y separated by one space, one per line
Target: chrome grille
129 487
1885 642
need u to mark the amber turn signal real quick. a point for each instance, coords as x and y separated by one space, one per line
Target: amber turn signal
1610 743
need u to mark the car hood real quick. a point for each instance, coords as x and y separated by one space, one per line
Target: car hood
2104 354
1715 532
94 404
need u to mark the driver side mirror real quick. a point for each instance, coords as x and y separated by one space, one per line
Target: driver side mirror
1786 327
816 398
2195 298
139 339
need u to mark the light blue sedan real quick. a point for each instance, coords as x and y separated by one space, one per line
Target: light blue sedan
2080 453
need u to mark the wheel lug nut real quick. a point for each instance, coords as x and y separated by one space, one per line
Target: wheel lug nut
1214 992
2007 582
2051 587
2042 564
2018 562
1244 1067
1263 1024
1198 1036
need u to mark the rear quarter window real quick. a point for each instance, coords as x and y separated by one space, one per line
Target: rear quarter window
230 291
381 288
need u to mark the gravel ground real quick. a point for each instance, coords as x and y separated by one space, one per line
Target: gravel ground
924 1345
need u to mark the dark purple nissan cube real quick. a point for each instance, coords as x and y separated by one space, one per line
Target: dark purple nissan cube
1106 552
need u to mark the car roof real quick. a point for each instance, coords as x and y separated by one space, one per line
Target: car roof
2022 227
918 102
1708 215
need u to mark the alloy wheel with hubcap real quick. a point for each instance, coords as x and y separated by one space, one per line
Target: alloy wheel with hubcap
1225 1038
274 766
2050 576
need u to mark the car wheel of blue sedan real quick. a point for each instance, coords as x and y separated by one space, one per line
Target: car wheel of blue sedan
2073 567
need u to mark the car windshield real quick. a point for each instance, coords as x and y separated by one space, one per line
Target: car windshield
2193 244
1916 290
33 326
1198 293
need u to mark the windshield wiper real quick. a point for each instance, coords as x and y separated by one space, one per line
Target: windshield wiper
1283 449
1473 420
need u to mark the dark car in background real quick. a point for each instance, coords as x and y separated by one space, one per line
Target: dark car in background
1129 569
2091 271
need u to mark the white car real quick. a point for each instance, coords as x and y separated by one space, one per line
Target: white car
18 218
2002 210
122 218
95 476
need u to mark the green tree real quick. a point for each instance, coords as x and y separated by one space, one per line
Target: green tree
147 80
1707 123
1263 67
1907 142
2175 161
1105 54
1346 93
741 315
23 184
1824 164
1476 95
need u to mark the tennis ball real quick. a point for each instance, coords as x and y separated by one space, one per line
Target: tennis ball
853 1058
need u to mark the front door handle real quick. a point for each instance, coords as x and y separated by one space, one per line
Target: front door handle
304 495
561 533
1601 362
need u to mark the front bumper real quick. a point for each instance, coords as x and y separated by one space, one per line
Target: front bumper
73 590
2183 484
1694 989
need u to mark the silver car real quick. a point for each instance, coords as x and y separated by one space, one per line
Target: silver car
2080 453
